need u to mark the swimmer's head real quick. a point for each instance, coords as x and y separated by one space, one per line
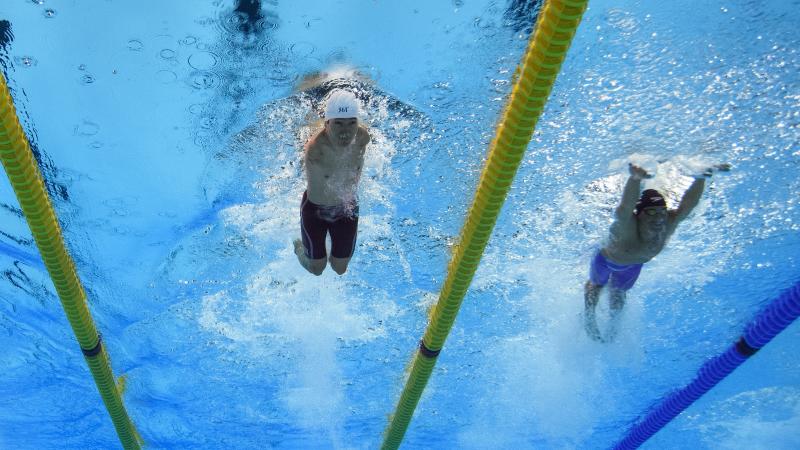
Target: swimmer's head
341 104
341 117
650 198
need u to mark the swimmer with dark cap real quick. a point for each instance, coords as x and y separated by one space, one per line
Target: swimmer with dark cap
642 225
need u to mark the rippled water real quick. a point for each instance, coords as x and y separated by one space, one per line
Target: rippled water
170 134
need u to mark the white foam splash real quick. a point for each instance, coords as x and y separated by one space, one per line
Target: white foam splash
553 378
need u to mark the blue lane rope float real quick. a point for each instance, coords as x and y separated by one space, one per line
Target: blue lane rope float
768 323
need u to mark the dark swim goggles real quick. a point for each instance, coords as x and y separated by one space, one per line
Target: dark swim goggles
655 210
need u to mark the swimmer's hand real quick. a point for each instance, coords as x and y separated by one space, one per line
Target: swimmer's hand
716 168
724 167
637 172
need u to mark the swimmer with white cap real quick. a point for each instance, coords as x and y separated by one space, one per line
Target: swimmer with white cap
333 160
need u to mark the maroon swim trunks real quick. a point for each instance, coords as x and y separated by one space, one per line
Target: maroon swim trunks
316 221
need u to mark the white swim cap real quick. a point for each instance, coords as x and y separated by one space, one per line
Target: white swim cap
341 105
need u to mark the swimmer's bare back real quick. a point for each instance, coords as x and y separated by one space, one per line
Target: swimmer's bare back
333 172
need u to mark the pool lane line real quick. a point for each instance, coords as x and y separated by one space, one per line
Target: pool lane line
26 179
773 319
533 80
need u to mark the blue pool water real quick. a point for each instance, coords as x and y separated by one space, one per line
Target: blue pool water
169 135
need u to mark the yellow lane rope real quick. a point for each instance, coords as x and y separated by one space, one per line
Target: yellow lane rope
557 23
22 171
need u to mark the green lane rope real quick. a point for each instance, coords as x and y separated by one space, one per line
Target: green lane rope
534 79
26 180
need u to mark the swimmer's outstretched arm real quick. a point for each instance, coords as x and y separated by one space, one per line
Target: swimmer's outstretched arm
692 195
630 195
690 199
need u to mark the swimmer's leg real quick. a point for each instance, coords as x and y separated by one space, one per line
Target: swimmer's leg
621 281
344 233
310 249
617 300
591 295
339 265
616 303
315 266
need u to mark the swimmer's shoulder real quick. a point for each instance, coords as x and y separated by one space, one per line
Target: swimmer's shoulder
363 135
673 219
315 146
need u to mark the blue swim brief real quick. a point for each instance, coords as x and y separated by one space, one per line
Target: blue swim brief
622 276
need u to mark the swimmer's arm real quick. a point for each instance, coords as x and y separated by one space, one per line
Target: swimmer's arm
364 137
312 154
690 199
630 195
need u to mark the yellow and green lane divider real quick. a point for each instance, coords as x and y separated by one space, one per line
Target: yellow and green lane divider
22 171
557 23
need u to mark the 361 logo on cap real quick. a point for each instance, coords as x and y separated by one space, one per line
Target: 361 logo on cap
343 109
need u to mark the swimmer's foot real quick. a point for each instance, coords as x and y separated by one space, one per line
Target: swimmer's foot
300 251
590 324
594 333
611 334
613 325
